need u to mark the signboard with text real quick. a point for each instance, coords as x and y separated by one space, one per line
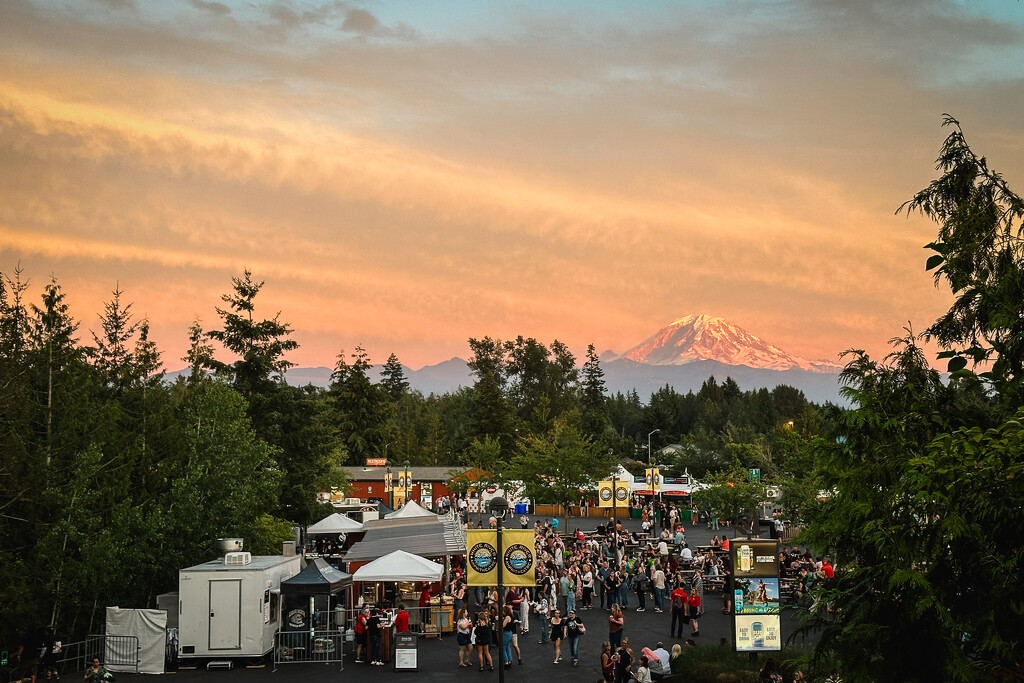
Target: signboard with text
756 604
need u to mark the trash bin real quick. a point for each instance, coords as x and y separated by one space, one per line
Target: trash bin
635 513
520 508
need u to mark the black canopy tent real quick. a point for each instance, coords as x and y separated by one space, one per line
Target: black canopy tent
312 594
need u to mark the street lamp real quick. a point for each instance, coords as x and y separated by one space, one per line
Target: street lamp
499 509
650 457
615 514
649 454
408 480
389 485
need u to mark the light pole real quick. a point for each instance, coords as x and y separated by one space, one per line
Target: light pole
389 485
499 508
649 454
615 514
650 457
408 480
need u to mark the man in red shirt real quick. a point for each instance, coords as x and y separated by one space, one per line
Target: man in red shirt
827 568
402 620
678 599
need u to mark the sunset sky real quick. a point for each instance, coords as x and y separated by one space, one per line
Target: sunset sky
406 175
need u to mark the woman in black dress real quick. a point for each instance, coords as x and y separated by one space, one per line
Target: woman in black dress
557 634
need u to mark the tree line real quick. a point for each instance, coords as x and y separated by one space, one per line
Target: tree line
112 478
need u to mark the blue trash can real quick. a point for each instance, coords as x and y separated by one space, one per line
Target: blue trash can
520 508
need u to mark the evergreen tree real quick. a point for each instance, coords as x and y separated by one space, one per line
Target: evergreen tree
979 253
361 409
392 378
259 344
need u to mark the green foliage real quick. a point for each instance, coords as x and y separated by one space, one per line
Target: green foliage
979 253
361 409
560 466
731 495
924 480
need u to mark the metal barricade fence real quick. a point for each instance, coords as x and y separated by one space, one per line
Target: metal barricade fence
114 651
303 647
432 621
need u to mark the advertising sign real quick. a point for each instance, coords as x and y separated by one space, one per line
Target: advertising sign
520 565
376 462
604 493
758 633
756 624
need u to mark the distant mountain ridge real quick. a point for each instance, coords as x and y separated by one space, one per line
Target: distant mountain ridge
682 355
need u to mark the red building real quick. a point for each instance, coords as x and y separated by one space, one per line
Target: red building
422 484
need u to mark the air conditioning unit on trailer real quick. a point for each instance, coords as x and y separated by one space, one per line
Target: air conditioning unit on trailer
237 559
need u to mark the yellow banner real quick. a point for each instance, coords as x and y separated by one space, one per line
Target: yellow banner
604 493
653 479
520 564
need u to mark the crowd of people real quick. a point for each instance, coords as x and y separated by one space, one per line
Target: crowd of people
612 570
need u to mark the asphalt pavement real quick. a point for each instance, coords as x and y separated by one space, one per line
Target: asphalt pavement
437 659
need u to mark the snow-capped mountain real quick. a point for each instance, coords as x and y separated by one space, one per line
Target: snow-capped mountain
706 337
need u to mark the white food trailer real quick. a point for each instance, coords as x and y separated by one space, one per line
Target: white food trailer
231 607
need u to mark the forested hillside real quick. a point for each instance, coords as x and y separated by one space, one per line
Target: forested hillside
112 479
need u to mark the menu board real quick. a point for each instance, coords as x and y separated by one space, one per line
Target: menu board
756 603
405 652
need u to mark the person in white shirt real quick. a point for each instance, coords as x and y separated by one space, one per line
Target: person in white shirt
686 555
664 657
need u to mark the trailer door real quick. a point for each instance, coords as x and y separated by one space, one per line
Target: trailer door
225 614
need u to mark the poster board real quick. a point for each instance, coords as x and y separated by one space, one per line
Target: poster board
406 652
756 597
604 493
520 564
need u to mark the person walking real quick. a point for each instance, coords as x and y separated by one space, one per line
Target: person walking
557 634
658 579
574 628
542 617
641 582
616 621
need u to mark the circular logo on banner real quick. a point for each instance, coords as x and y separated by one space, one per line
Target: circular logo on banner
621 494
482 557
606 494
297 618
518 559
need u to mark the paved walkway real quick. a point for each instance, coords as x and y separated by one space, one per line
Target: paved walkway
438 659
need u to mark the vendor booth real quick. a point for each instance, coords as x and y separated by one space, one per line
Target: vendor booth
315 597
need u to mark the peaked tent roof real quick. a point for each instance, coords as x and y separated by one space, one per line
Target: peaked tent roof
316 579
400 566
410 509
334 524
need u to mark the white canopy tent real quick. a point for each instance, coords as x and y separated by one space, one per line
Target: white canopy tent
399 566
410 509
335 524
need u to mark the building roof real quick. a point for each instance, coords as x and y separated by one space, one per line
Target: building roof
434 536
418 473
